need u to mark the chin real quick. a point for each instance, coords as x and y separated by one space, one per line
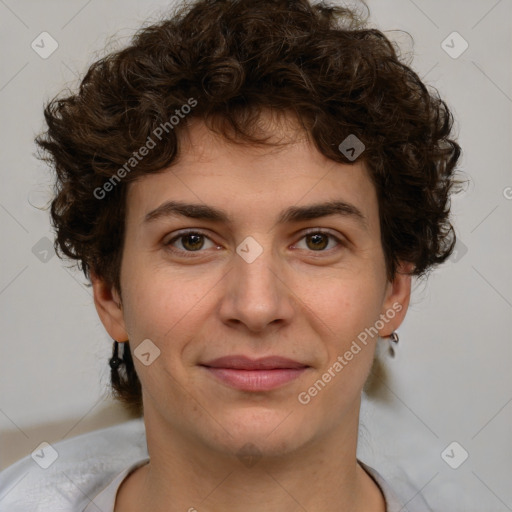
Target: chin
264 432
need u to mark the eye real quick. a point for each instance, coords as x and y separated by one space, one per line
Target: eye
193 241
318 240
190 241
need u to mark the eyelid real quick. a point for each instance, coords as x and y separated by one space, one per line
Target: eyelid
326 231
186 231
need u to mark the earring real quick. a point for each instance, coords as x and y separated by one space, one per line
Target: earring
393 342
115 361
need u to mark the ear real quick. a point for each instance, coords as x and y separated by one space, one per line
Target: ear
109 307
397 297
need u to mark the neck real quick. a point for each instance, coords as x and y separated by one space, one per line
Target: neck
184 474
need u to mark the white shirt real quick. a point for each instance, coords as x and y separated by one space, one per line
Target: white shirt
89 469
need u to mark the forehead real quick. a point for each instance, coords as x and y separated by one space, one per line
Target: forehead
240 177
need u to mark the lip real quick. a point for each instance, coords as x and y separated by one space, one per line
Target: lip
239 362
262 374
256 380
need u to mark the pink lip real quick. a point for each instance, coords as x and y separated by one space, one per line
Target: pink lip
261 374
256 380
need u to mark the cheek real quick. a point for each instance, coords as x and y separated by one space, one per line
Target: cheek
163 313
164 304
345 311
345 307
154 308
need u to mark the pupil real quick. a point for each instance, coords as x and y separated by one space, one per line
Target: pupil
318 238
194 246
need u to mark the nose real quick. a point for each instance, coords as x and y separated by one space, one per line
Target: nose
256 296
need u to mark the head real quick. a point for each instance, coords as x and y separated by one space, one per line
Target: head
250 110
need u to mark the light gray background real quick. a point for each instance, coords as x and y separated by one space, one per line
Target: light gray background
451 380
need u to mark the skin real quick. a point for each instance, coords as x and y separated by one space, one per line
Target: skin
294 300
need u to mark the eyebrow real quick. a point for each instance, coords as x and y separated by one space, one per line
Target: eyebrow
291 214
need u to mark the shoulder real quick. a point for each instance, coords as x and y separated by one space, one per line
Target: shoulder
66 475
399 493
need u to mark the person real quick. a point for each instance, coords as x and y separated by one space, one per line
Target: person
250 188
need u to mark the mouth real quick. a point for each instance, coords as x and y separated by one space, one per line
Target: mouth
239 362
262 374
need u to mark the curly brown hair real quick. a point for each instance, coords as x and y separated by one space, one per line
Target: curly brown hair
230 60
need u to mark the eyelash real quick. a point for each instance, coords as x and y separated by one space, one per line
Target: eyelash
192 254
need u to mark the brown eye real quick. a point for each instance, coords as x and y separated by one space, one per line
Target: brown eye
318 241
192 241
188 242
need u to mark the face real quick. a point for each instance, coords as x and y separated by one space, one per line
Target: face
256 283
